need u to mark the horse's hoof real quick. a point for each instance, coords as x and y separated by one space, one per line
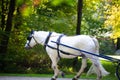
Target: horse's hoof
74 79
53 79
63 74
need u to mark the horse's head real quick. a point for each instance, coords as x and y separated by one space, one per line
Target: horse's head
31 42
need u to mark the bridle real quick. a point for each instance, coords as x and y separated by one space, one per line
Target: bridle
30 38
46 40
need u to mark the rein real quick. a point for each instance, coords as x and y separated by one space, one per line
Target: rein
35 40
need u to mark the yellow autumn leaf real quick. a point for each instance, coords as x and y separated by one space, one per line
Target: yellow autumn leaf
113 21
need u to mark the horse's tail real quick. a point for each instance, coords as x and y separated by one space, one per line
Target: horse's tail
92 68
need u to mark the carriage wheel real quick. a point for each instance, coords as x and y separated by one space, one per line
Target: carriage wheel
118 71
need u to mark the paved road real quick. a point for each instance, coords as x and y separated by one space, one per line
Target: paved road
32 78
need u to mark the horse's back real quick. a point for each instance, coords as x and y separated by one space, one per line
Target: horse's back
84 42
78 41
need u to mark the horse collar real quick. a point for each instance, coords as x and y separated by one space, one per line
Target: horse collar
47 39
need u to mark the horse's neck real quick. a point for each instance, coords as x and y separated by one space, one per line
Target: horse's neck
54 34
41 36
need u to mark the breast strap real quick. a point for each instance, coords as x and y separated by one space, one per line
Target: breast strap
58 41
47 39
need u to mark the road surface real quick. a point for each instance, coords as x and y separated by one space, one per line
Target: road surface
33 78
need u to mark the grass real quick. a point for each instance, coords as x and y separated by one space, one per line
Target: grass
109 77
27 75
109 66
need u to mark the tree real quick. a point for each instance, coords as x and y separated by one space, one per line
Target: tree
8 26
113 20
78 28
93 17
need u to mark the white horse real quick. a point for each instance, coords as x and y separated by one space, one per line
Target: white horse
56 51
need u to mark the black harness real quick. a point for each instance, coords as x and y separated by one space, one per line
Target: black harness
58 44
47 39
58 40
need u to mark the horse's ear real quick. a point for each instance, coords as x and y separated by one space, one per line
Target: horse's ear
32 31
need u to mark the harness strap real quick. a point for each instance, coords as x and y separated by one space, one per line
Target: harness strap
47 39
35 40
66 53
58 41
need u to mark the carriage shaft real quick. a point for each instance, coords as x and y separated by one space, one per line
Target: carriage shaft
100 55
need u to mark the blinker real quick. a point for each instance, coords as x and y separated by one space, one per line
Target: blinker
29 38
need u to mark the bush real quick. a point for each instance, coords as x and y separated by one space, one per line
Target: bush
106 45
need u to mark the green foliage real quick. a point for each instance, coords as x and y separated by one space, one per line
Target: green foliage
67 2
19 2
104 48
92 24
50 15
47 18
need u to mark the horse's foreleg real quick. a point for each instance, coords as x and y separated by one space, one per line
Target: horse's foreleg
56 71
55 68
84 64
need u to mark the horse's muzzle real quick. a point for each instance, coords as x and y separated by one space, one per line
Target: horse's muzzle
27 47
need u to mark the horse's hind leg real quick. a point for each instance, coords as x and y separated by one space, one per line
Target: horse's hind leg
99 75
84 64
97 69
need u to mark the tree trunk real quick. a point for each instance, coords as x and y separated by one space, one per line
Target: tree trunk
79 16
118 44
78 28
5 36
